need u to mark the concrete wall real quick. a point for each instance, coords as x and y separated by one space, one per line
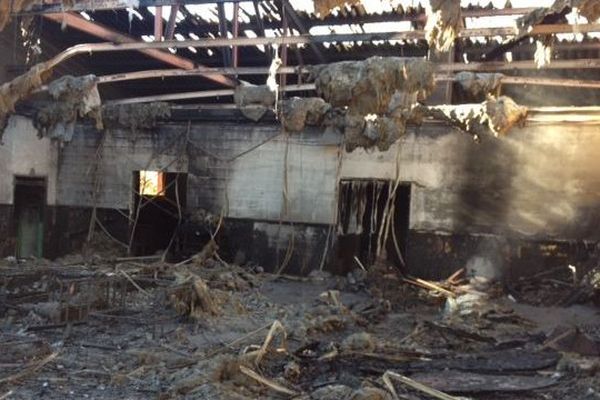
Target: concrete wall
24 153
122 153
539 183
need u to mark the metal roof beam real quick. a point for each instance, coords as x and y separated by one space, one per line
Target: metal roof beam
93 5
131 44
119 39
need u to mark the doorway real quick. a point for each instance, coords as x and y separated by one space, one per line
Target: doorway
362 209
30 202
159 202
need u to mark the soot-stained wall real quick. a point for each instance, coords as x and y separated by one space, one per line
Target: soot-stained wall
539 184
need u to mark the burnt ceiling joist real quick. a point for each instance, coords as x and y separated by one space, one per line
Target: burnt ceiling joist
91 5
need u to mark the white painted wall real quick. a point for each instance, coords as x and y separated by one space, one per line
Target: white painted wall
539 181
24 153
258 180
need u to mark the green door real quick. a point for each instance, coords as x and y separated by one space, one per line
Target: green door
29 231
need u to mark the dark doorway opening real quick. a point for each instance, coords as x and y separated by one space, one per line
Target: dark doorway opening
159 202
30 202
361 213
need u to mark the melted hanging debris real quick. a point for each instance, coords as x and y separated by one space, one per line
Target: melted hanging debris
503 113
527 21
493 116
590 9
444 23
298 112
7 7
75 97
19 89
324 7
479 85
254 101
136 116
367 86
372 131
379 94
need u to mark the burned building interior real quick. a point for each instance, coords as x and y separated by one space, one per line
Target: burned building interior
300 199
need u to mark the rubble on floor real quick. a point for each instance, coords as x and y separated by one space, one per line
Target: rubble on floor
444 23
562 286
128 327
75 97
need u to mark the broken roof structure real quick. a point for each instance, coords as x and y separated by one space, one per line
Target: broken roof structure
301 199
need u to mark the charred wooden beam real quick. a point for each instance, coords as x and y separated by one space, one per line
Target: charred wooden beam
223 33
170 31
288 10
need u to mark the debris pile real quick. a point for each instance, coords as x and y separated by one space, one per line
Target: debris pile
560 286
202 328
444 23
74 97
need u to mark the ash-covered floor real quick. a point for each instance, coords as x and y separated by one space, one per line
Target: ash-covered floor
116 328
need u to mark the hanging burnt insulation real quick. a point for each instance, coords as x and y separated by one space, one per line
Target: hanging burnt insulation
372 131
590 9
135 116
74 97
254 100
325 7
444 23
19 89
367 86
495 116
479 85
298 112
8 7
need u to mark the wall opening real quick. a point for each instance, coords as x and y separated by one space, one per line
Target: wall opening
30 202
159 202
361 212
